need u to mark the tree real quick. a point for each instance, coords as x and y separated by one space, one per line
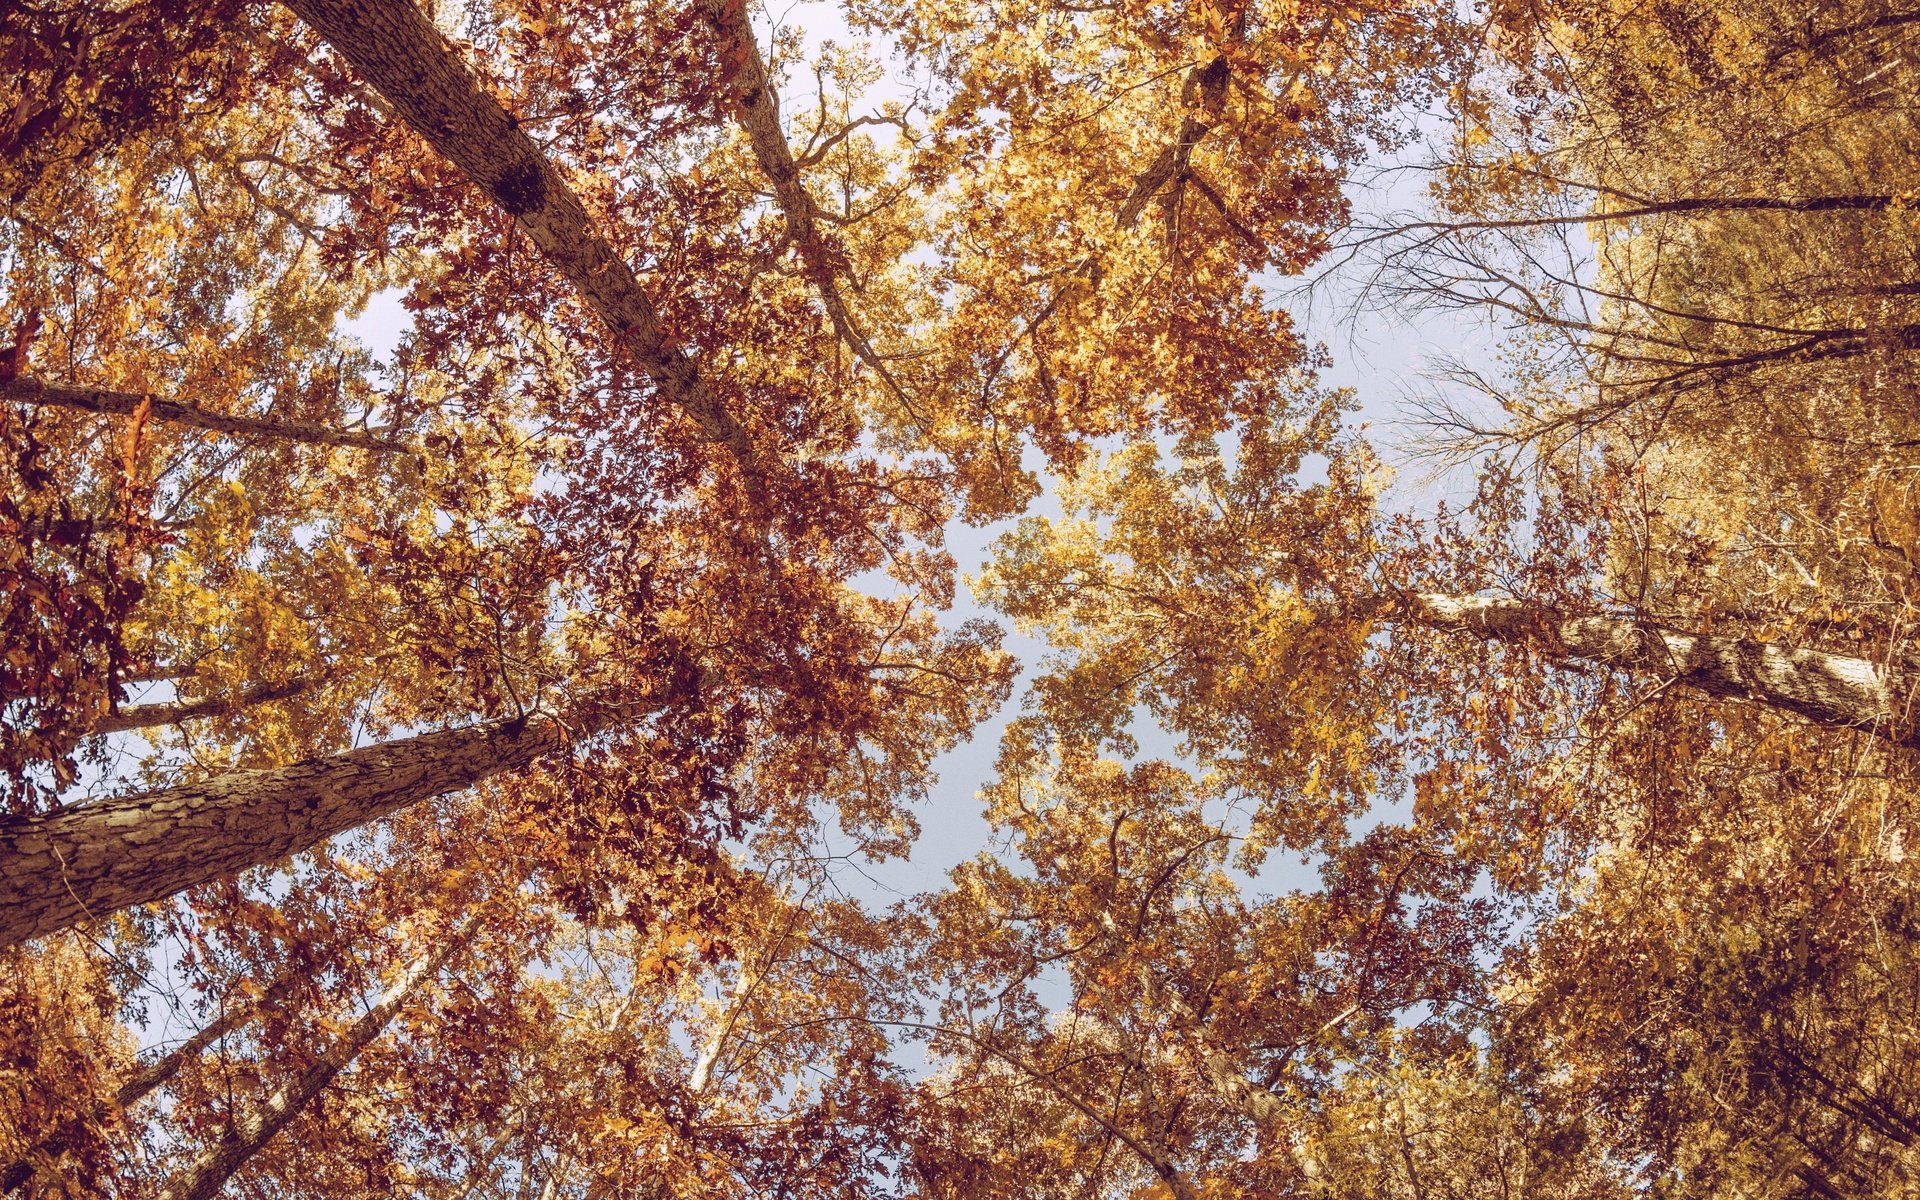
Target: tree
151 1076
76 866
1722 387
1731 315
210 1172
596 616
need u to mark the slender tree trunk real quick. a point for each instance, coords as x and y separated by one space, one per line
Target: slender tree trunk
210 1172
61 868
143 716
97 400
15 1174
1827 689
396 49
1683 205
701 1077
231 1017
757 107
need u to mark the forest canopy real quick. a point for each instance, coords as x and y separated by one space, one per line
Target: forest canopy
459 770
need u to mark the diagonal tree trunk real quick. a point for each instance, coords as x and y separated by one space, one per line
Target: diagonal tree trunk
1827 689
757 107
61 868
98 400
210 1172
231 1017
396 48
16 1174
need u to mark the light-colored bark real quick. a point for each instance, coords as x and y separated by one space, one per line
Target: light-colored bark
145 716
397 50
1827 689
757 107
701 1077
100 400
244 1138
15 1174
231 1017
61 868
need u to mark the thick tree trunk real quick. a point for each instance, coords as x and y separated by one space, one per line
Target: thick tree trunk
210 1172
97 400
1827 689
62 868
396 48
143 716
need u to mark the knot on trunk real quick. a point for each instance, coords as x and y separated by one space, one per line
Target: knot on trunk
522 189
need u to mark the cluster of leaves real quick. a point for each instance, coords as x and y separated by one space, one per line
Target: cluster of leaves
70 579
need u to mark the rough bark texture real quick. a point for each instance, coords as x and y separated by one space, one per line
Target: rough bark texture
1208 83
210 1172
397 50
1828 689
98 400
142 716
62 868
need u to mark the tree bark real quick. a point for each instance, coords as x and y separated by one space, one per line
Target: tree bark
1207 83
397 50
210 1172
231 1017
58 869
1827 689
757 107
15 1174
99 400
143 716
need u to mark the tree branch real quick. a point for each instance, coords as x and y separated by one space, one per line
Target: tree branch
397 50
1828 689
143 716
100 400
211 1171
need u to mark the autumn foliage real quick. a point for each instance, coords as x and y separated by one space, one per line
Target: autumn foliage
485 766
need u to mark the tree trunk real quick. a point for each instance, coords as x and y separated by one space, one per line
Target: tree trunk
15 1174
97 400
701 1077
61 868
396 49
143 716
757 106
1827 689
210 1172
